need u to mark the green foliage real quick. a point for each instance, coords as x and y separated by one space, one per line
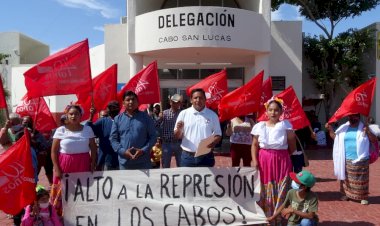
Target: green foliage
331 11
335 61
3 56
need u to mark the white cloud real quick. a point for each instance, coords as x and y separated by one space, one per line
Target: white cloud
287 12
98 28
94 5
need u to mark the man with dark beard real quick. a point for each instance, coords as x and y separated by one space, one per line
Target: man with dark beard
107 157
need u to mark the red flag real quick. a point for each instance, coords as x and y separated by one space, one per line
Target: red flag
3 102
17 182
65 72
145 84
38 110
358 101
243 100
215 87
104 90
266 94
292 109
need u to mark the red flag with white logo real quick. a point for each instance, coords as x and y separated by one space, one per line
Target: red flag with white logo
65 72
243 100
145 84
215 87
266 94
17 182
104 90
38 110
359 101
3 102
292 109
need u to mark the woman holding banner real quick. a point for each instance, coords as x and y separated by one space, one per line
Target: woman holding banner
273 143
70 152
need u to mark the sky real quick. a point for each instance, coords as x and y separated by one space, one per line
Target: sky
61 23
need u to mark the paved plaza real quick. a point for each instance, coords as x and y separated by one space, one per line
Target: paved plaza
332 211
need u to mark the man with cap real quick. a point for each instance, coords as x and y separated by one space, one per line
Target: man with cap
107 157
170 144
301 204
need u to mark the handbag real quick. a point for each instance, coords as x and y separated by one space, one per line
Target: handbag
373 152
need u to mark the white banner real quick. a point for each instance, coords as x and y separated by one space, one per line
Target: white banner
177 196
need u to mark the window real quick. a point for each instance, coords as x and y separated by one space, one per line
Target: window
278 83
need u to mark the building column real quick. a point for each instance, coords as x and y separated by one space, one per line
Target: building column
135 64
262 63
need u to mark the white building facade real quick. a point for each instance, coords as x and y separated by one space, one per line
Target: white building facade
192 39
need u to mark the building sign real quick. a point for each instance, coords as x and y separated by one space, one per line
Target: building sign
185 27
198 19
177 196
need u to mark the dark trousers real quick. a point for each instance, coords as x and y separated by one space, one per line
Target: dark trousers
188 160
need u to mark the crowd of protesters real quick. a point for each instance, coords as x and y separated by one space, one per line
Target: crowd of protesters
136 139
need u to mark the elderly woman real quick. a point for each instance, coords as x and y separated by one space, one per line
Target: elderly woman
351 158
70 152
273 143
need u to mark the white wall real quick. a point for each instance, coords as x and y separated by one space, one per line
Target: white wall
286 53
116 49
97 59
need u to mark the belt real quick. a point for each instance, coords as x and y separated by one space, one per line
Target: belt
189 153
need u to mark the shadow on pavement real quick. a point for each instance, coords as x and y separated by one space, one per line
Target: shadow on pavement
373 199
325 179
329 195
338 223
319 154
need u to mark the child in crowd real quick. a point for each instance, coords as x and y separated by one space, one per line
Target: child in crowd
41 212
156 153
301 204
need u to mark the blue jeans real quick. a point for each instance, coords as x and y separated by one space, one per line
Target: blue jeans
167 151
188 160
307 222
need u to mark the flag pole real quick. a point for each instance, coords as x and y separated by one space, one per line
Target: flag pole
35 115
3 96
6 113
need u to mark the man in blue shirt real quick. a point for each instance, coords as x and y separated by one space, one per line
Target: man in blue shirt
133 135
107 157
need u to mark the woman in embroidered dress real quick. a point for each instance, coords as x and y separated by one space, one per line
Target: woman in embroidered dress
351 158
70 152
273 143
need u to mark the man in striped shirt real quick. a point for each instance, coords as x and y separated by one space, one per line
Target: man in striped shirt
170 144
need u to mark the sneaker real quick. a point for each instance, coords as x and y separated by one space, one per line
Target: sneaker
364 202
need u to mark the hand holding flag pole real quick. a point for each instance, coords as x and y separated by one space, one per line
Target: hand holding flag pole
3 101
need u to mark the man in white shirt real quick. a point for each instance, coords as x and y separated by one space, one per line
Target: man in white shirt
192 126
